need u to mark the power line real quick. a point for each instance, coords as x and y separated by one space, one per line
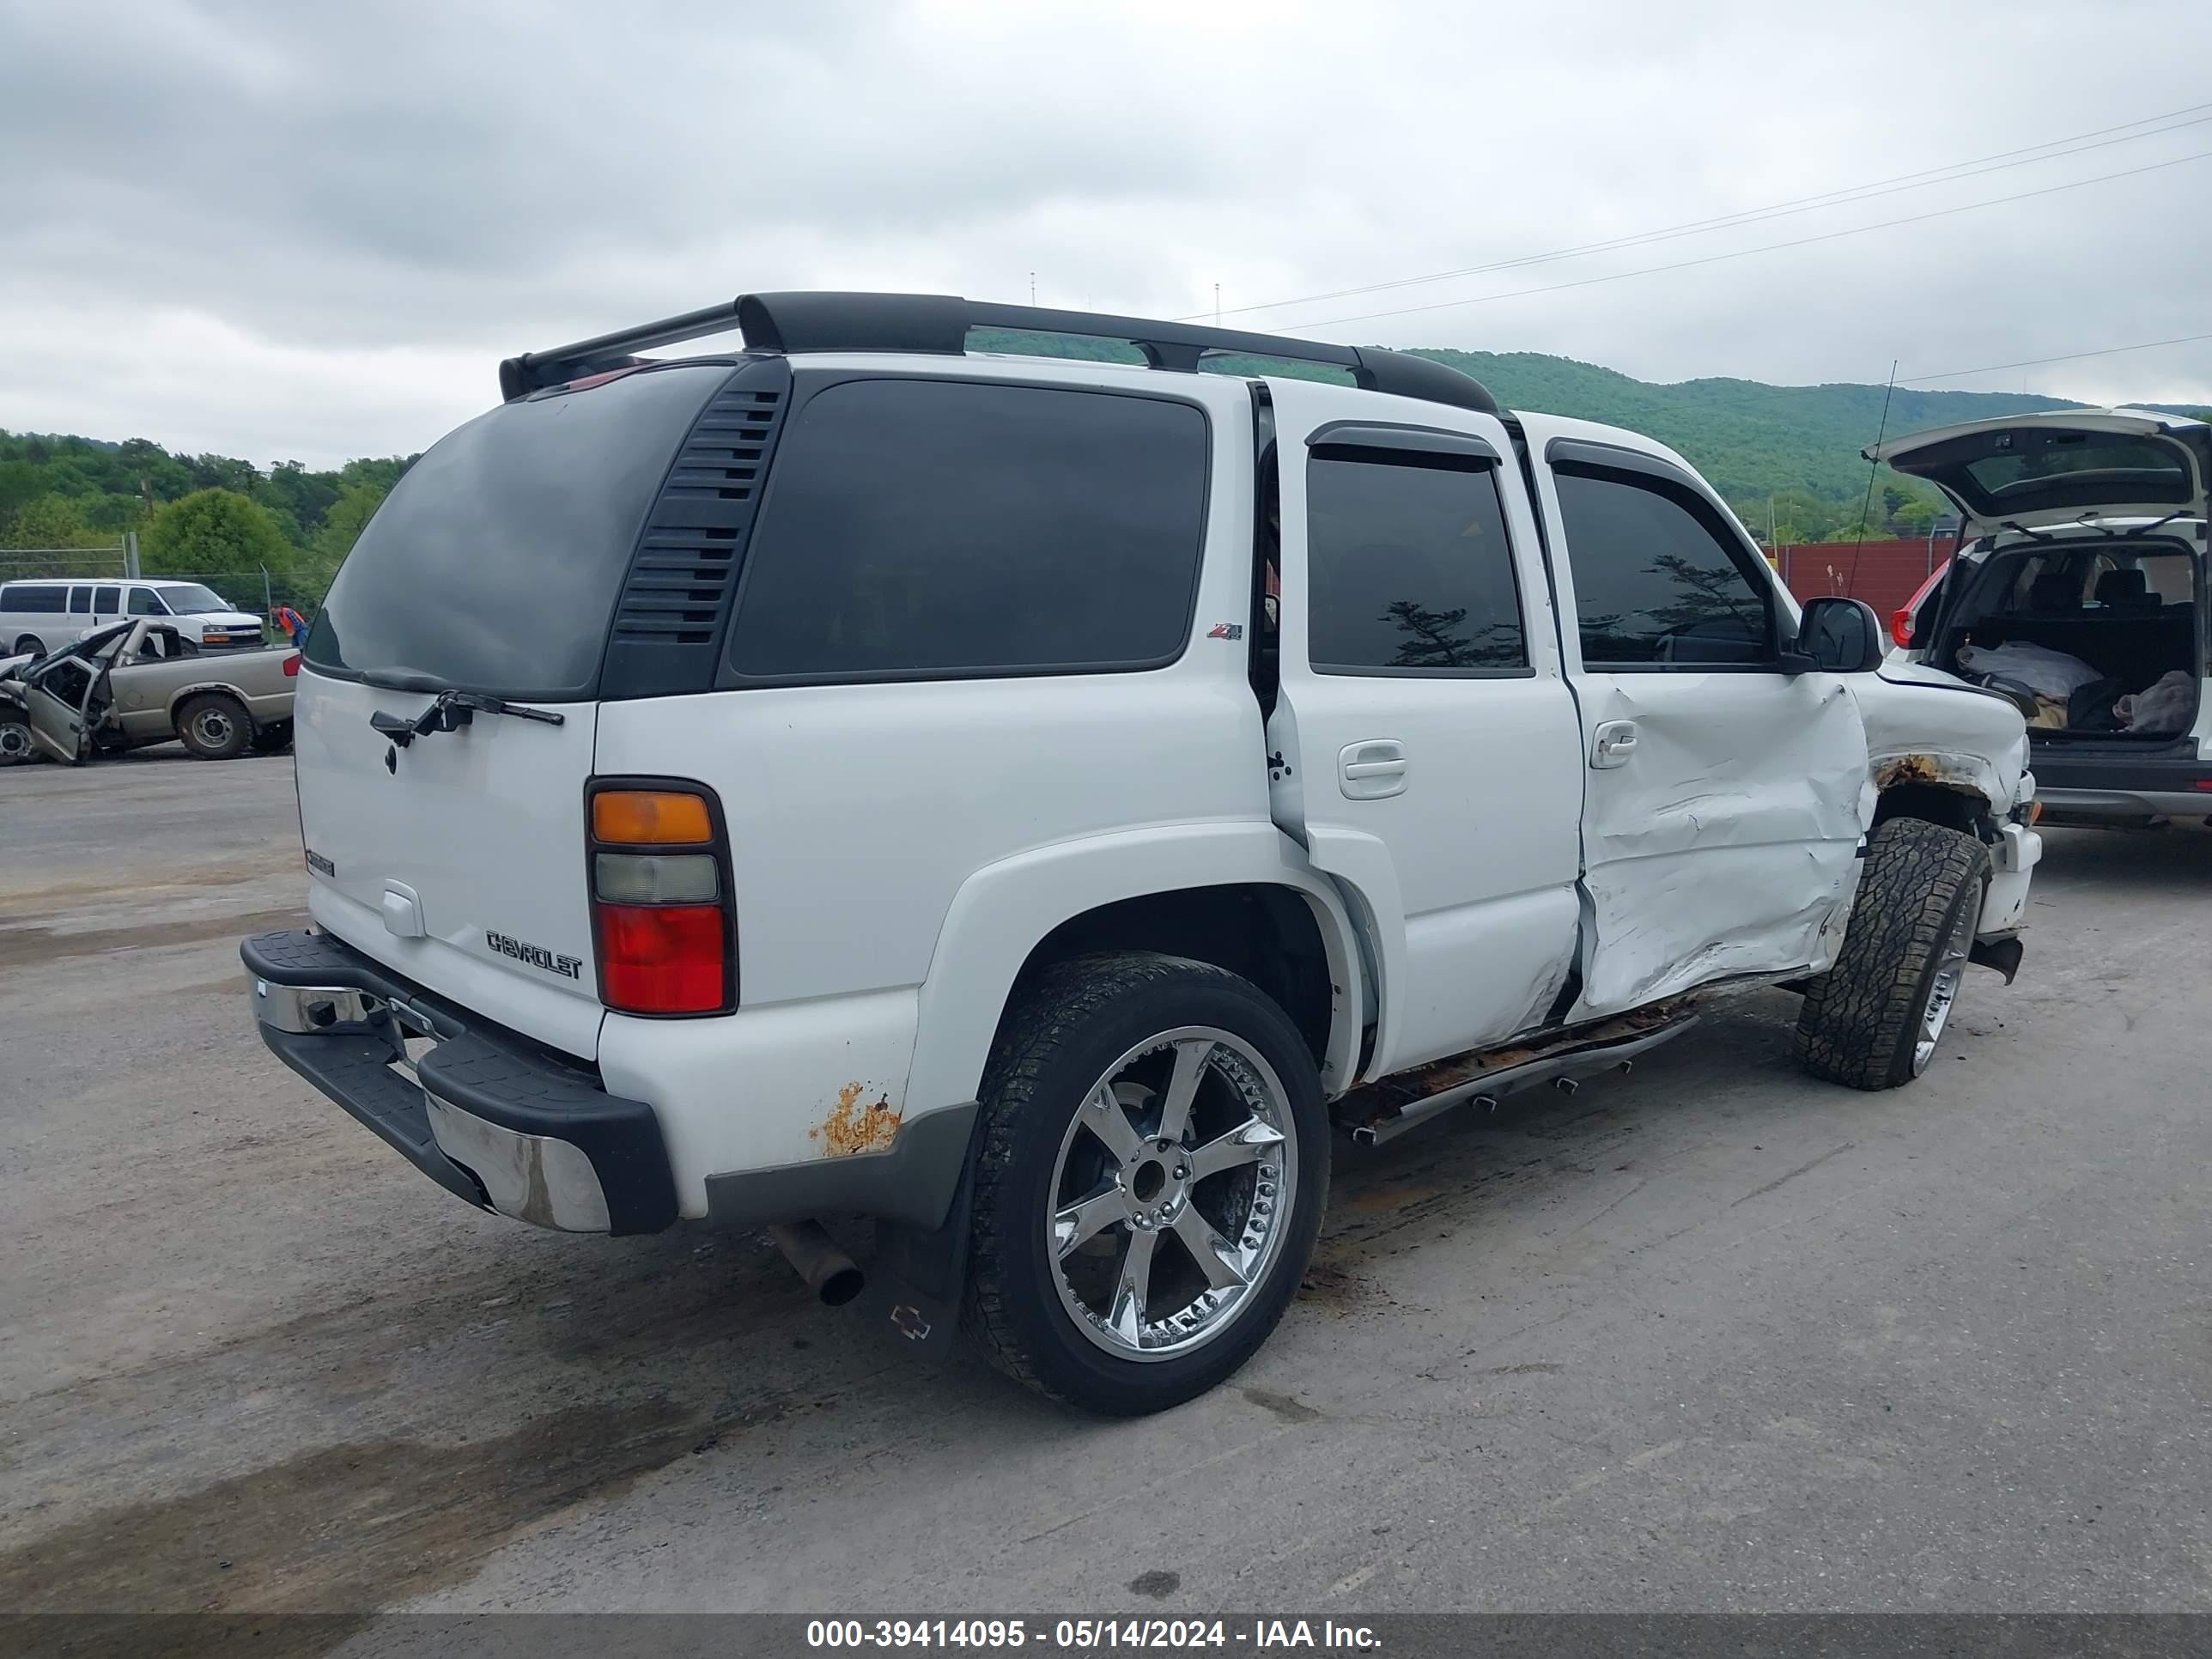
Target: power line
1745 253
2027 156
2062 357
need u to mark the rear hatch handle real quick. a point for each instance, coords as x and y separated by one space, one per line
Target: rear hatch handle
449 711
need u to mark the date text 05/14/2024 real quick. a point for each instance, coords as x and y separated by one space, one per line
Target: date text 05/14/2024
1089 1635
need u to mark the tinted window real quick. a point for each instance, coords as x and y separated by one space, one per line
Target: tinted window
919 527
40 599
1407 565
494 563
1655 577
143 603
2141 469
80 601
108 601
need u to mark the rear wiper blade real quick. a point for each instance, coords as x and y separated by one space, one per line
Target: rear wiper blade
449 711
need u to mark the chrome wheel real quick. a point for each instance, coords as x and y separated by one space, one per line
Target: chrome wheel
1943 989
1172 1193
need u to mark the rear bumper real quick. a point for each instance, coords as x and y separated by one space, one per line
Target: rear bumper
2124 787
494 1122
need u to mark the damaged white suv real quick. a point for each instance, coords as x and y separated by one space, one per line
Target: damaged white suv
1036 802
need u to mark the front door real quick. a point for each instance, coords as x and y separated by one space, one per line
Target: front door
1725 798
1424 745
54 703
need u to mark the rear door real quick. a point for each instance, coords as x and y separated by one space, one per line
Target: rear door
496 566
1424 744
1724 798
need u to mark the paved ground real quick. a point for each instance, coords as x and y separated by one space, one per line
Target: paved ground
1714 1337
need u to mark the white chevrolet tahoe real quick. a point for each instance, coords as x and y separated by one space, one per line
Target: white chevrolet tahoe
1036 802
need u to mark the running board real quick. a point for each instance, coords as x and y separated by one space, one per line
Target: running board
1382 1111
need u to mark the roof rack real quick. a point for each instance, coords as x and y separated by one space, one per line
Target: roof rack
938 323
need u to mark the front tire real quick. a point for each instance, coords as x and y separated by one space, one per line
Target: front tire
214 728
16 748
1874 1020
1153 1167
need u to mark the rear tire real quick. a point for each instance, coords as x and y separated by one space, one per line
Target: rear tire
1874 1020
29 645
214 726
1093 1203
16 748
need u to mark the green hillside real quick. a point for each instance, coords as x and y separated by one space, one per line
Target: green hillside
1798 445
1794 449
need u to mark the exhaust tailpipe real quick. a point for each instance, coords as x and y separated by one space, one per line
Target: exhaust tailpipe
814 1256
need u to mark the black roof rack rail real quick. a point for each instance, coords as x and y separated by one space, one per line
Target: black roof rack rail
938 323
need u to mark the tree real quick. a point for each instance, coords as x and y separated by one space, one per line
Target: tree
51 521
345 518
214 532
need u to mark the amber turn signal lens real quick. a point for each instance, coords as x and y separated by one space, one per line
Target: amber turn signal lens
650 818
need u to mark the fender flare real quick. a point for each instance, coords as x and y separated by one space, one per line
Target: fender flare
1005 909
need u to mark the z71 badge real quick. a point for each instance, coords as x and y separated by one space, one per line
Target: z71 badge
536 955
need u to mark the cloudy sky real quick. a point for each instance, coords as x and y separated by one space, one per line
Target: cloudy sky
292 229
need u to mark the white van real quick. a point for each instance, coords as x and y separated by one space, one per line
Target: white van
41 616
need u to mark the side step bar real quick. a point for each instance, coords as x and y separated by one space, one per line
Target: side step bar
1382 1111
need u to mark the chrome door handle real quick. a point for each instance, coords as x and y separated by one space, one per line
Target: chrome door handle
1373 769
1613 744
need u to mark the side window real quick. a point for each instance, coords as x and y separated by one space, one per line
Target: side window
39 598
1659 579
1407 568
108 601
144 603
928 529
80 601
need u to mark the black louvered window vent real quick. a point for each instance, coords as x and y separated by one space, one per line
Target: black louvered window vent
668 623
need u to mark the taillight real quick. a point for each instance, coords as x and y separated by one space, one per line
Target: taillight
292 666
1900 621
662 913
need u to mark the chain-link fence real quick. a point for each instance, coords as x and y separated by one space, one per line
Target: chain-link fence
258 592
62 564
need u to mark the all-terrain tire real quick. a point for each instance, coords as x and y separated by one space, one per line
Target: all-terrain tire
1052 1050
1862 1021
214 726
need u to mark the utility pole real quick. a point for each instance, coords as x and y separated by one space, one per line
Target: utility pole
1216 305
1033 288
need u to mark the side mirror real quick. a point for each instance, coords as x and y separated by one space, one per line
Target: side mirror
1839 636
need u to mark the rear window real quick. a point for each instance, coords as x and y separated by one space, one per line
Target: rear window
2134 469
495 564
919 529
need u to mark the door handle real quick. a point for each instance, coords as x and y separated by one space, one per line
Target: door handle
1373 769
1613 744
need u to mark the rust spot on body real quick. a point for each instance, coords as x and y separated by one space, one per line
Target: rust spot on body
1908 769
851 1127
